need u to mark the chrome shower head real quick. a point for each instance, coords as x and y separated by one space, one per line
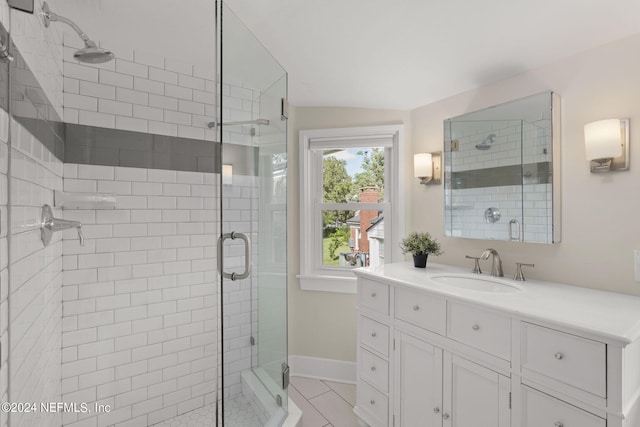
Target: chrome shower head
90 53
93 54
484 145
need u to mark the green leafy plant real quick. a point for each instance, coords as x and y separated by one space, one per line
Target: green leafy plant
420 243
337 240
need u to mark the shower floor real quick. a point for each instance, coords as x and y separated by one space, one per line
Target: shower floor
238 413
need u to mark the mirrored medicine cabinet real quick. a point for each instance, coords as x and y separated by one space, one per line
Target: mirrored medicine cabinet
502 171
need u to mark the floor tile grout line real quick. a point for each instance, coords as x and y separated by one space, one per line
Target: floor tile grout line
317 409
305 397
312 405
330 390
339 395
320 412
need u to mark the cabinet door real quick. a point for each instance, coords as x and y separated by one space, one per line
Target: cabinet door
417 383
474 395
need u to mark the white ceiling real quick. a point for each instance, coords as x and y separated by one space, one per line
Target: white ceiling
373 53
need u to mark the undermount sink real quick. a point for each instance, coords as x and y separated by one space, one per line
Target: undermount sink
476 283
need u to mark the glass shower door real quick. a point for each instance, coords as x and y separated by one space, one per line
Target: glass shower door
252 280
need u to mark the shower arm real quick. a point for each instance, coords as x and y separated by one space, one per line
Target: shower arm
49 17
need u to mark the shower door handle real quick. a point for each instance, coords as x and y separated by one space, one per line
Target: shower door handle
247 255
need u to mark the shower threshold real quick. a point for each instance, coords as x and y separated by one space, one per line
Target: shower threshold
244 410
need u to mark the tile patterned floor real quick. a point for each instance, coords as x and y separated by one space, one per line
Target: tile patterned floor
238 414
323 404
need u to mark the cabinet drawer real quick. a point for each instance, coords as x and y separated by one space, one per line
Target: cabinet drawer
373 296
373 402
576 361
484 330
374 370
374 335
422 310
540 409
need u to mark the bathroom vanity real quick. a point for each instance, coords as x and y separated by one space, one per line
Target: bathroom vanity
444 347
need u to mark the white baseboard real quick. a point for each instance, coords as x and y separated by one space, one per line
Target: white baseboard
323 369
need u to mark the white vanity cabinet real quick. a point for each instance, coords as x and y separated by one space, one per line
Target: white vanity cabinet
431 356
433 387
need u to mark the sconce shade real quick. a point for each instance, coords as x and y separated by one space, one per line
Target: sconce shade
603 139
422 165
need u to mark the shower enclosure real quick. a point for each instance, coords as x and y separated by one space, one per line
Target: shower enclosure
173 310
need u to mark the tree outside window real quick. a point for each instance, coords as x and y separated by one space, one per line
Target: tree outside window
350 175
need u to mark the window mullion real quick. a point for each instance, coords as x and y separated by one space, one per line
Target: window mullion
353 206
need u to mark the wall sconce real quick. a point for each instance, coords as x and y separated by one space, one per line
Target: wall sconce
428 167
607 145
227 174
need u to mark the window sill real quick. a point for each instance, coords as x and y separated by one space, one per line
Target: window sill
336 284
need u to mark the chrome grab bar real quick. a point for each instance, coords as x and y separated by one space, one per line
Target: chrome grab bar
247 255
50 225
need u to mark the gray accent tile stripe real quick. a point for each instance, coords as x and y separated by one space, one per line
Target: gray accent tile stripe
538 173
92 145
113 147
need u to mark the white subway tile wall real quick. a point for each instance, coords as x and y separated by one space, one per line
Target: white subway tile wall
514 142
140 296
41 48
143 92
35 309
162 96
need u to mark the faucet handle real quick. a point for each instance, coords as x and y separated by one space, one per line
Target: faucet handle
476 267
519 276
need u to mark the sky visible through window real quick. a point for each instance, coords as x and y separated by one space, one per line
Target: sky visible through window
353 159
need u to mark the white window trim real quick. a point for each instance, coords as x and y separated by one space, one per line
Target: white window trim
312 276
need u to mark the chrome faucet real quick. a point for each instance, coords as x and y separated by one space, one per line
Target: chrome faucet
496 268
50 225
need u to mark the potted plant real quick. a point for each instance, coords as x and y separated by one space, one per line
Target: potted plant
421 245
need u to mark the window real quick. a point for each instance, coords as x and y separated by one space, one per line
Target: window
349 204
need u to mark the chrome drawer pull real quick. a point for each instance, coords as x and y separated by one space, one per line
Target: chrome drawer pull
476 327
373 402
373 335
436 410
373 369
558 424
559 356
416 307
373 294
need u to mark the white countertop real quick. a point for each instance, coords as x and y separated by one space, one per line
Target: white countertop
613 316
